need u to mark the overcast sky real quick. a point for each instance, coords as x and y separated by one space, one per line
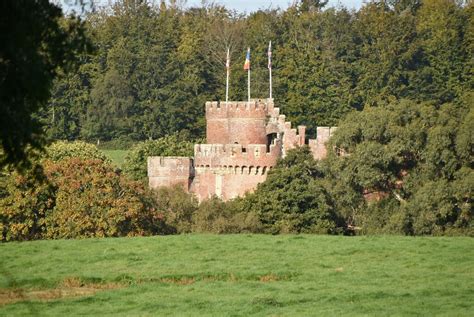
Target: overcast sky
252 5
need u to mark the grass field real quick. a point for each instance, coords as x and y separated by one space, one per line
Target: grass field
239 275
117 156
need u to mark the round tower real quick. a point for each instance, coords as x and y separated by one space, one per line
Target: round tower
236 122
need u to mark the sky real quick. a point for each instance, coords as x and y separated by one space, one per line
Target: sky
239 5
253 5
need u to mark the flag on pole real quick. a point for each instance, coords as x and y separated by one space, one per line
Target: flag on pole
270 55
247 60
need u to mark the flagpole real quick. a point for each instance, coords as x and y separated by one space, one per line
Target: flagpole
227 79
271 83
248 81
270 66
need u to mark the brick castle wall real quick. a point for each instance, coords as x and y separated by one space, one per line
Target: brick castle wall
236 122
230 170
169 171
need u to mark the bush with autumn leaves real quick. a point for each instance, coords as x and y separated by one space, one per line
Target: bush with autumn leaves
74 192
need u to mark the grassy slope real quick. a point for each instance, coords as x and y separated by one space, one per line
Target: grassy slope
117 156
302 275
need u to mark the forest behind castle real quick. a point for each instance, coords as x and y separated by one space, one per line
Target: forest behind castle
154 66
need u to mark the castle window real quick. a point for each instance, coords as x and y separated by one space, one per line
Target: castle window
271 140
244 150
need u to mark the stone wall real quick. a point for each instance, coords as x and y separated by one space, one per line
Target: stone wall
169 171
318 145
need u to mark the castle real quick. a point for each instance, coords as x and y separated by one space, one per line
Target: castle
244 142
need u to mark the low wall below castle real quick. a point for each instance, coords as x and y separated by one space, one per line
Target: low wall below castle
169 171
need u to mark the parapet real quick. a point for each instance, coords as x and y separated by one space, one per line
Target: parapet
255 108
214 155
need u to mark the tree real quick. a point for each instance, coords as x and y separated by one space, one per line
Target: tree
294 198
412 162
36 42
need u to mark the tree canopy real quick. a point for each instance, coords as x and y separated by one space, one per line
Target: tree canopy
37 42
156 65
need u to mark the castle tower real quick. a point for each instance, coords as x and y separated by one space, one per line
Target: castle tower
244 142
236 122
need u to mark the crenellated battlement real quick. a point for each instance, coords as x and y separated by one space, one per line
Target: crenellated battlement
215 155
234 149
236 109
242 170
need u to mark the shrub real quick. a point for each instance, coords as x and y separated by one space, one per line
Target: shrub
62 150
92 200
176 207
217 216
78 198
24 202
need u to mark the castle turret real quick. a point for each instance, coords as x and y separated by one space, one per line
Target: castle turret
236 122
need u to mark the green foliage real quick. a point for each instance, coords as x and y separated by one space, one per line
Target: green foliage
176 207
155 66
182 214
37 42
78 198
294 199
92 200
412 164
216 216
25 199
135 164
62 150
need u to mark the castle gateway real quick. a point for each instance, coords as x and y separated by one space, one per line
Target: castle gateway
245 140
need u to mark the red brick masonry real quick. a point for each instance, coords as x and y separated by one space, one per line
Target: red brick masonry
245 140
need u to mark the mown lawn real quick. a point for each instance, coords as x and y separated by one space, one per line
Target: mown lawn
117 156
239 275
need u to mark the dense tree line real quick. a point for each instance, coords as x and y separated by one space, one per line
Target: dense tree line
155 65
